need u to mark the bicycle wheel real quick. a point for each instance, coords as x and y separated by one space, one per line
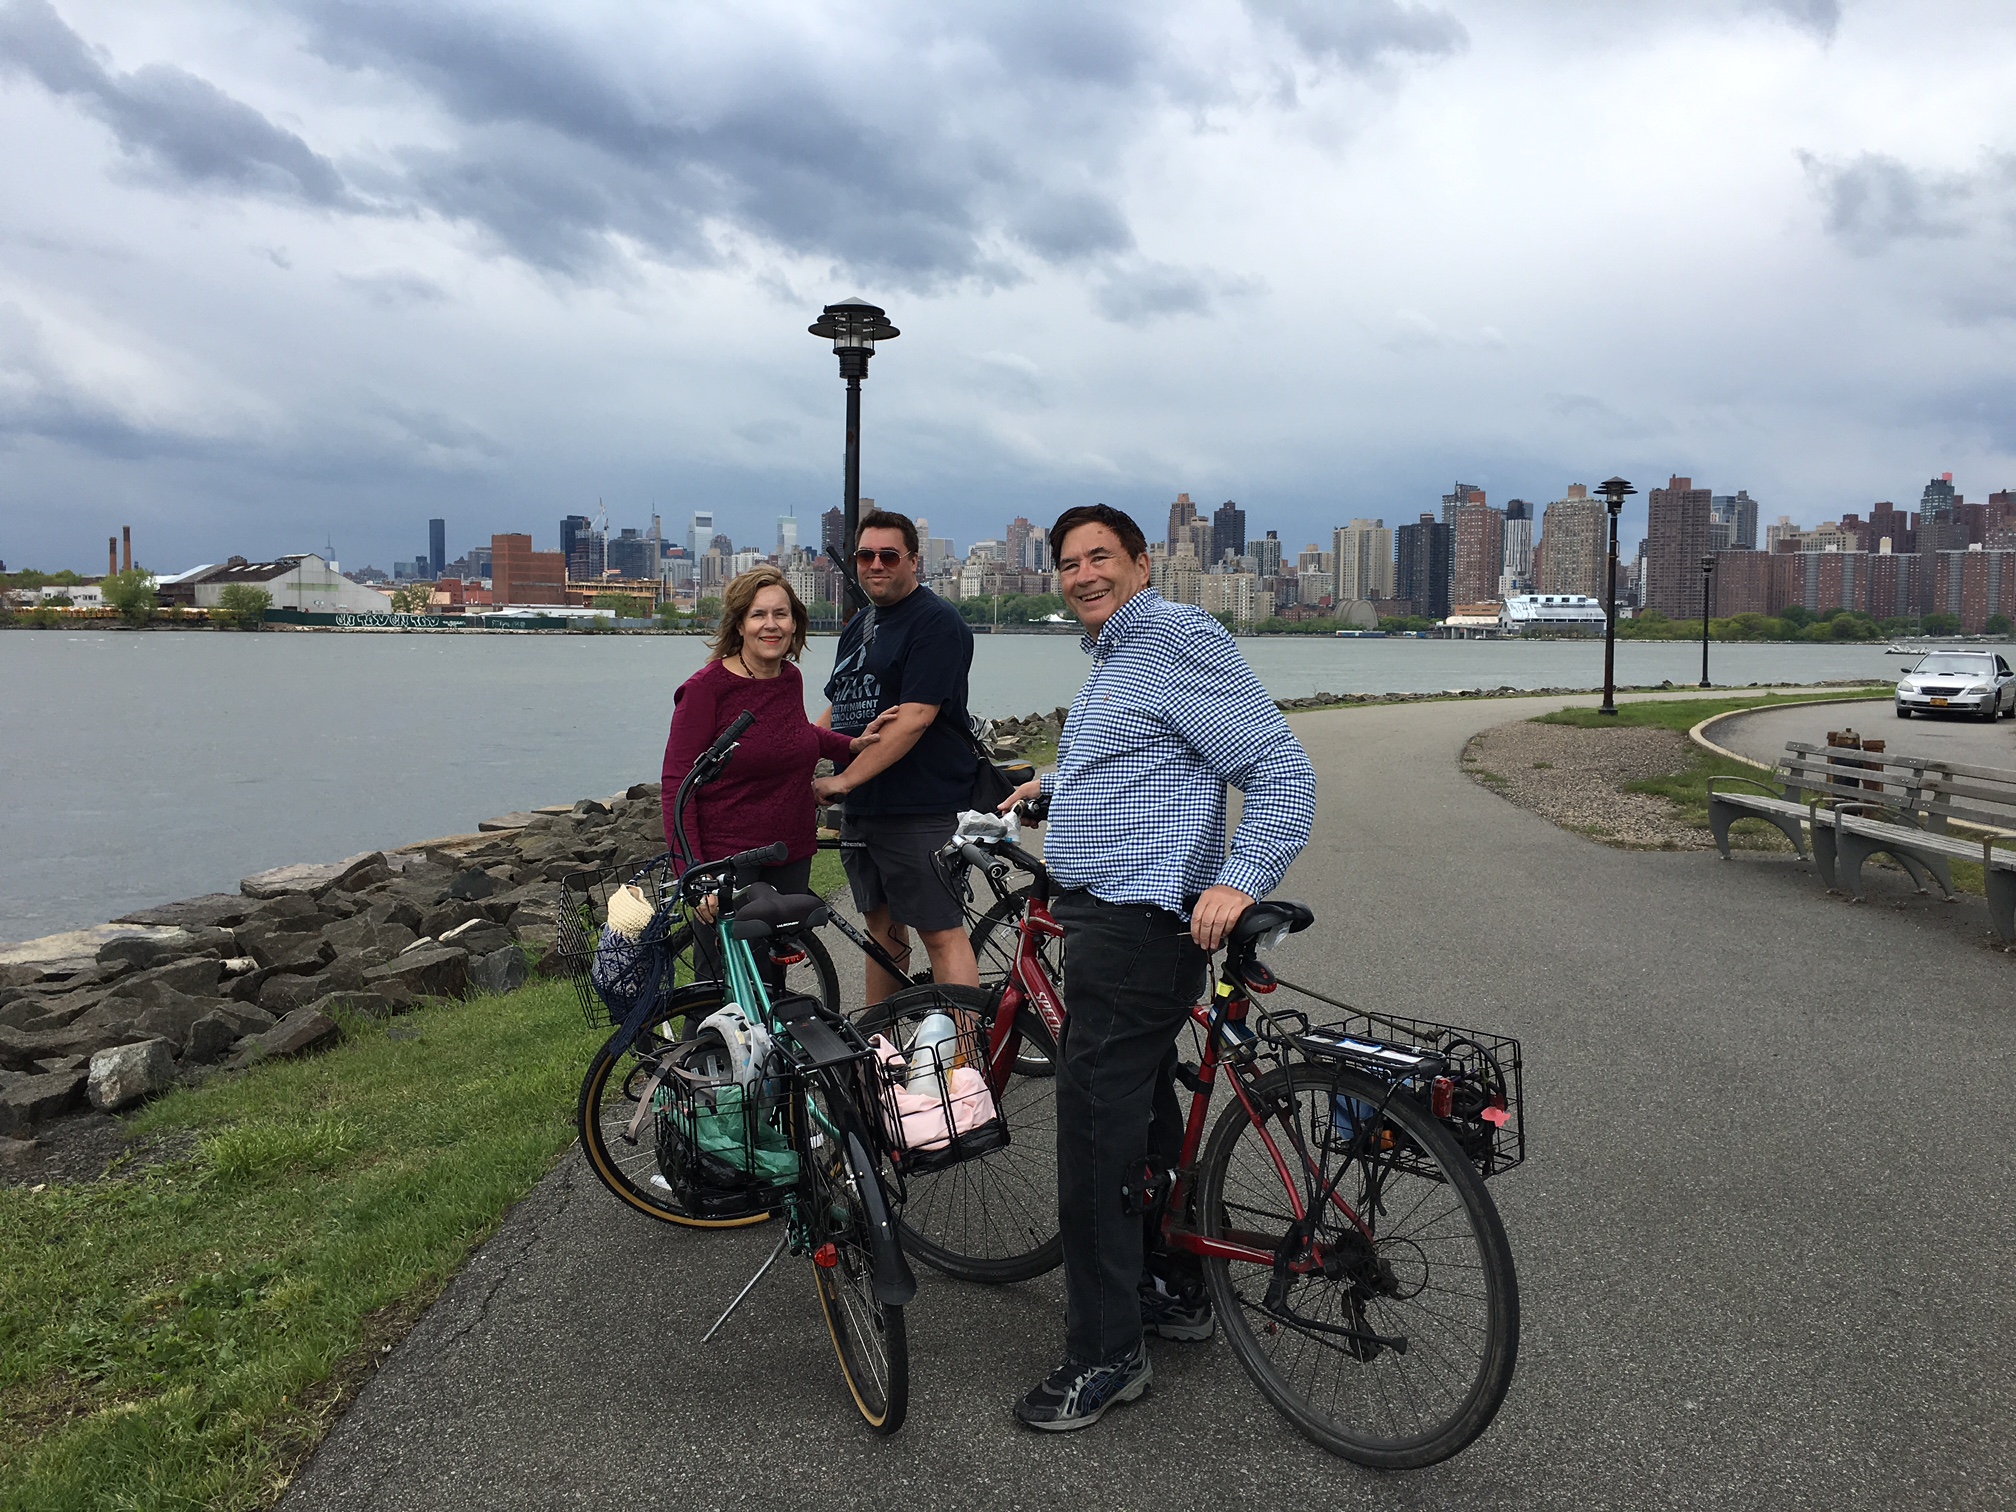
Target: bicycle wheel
840 1199
995 937
992 1218
1429 1265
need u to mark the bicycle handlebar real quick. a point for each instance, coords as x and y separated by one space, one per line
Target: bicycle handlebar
753 861
729 736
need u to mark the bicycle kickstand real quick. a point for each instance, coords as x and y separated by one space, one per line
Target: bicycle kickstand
739 1296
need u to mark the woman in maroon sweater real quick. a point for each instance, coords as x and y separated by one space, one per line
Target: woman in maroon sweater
766 793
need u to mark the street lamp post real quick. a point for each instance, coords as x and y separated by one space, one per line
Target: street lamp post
1614 492
1707 576
853 326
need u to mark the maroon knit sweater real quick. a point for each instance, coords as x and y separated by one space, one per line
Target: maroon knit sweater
766 793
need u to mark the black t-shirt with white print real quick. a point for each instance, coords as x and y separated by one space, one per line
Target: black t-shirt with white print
917 650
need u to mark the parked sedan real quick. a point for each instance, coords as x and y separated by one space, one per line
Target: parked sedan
1958 682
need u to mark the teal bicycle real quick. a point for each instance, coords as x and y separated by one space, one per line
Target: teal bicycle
761 1104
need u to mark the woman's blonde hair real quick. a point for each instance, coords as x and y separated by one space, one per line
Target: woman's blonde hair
740 596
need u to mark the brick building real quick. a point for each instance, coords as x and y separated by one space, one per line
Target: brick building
1676 538
520 575
1574 545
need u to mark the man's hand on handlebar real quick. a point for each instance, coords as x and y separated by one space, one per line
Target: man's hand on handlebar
1029 792
1215 914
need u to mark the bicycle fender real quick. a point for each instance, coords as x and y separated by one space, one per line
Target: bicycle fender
895 1285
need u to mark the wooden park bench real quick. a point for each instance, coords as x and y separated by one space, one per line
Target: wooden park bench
1982 800
1861 804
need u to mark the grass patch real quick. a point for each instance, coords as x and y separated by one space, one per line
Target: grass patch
181 1337
1684 713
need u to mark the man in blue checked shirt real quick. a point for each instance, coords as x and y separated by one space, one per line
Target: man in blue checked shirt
1145 890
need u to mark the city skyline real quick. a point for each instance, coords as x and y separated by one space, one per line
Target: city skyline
282 277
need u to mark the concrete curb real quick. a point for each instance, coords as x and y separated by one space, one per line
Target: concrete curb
1699 734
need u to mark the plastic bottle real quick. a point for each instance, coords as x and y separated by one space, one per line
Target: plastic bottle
932 1049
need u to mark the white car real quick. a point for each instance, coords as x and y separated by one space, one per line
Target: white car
1958 682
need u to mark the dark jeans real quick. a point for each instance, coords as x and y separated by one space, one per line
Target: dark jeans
1131 973
791 877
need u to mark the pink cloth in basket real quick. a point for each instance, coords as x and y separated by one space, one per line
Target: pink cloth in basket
922 1113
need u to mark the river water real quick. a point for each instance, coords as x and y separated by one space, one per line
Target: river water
140 768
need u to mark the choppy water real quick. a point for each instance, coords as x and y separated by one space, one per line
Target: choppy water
139 768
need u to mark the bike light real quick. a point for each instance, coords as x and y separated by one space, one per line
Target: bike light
779 958
826 1256
1441 1097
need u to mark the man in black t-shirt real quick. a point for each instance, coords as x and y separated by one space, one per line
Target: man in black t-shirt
909 651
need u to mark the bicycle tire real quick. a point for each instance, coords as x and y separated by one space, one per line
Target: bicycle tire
610 1090
869 1338
995 938
992 1219
1440 1235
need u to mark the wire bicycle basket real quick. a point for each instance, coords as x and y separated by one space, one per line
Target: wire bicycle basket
724 1146
931 1087
610 964
1470 1080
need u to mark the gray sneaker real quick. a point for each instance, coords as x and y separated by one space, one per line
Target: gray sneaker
1182 1315
1077 1396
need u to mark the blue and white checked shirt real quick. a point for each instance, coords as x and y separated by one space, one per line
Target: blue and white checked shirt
1170 714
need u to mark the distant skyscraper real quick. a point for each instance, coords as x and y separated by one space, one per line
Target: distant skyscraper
1517 574
1363 554
1676 538
1018 543
1423 558
437 547
832 531
1181 513
582 547
630 556
699 533
1574 536
1479 545
1936 533
1267 555
1737 514
1228 530
787 536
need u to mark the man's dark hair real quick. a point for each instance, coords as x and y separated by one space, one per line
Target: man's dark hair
888 519
1121 524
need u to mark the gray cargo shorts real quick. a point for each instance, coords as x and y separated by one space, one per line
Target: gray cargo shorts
889 859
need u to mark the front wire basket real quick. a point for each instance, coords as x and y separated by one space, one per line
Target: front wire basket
609 969
931 1084
1486 1095
724 1149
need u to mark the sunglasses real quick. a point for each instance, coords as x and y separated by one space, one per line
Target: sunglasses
888 556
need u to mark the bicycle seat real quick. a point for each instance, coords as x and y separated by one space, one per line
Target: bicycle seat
762 910
1262 919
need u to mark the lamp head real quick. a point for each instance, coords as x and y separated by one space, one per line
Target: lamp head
1614 491
1707 564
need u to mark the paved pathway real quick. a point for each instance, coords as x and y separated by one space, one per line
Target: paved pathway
1763 1237
1762 736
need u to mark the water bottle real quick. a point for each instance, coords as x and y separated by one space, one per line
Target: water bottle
932 1050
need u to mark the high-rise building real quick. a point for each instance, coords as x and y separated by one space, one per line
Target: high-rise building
1889 523
1574 532
1736 515
1423 557
437 548
1267 555
1936 533
699 534
1018 543
574 533
1479 545
1177 576
787 536
1676 538
832 531
1228 530
520 575
1181 513
1363 553
630 556
1517 574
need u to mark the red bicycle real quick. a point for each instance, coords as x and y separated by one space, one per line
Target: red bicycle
1337 1205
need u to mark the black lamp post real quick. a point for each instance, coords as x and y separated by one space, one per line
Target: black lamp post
1707 576
854 326
1614 491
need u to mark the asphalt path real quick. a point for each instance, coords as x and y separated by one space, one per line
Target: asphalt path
1762 736
1763 1235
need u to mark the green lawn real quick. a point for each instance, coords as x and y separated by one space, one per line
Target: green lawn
179 1335
1685 713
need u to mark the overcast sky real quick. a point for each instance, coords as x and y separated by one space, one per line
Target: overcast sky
279 274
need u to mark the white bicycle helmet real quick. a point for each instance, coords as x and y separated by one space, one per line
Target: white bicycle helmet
745 1047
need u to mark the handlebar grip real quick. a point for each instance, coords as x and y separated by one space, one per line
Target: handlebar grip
730 735
974 856
748 863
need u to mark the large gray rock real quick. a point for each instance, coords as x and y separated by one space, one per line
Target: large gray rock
479 937
197 977
142 951
210 1040
302 1030
171 1018
502 970
364 934
37 1099
473 885
284 992
400 911
126 1073
438 921
20 1049
504 823
293 906
429 969
307 877
363 872
277 949
211 911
